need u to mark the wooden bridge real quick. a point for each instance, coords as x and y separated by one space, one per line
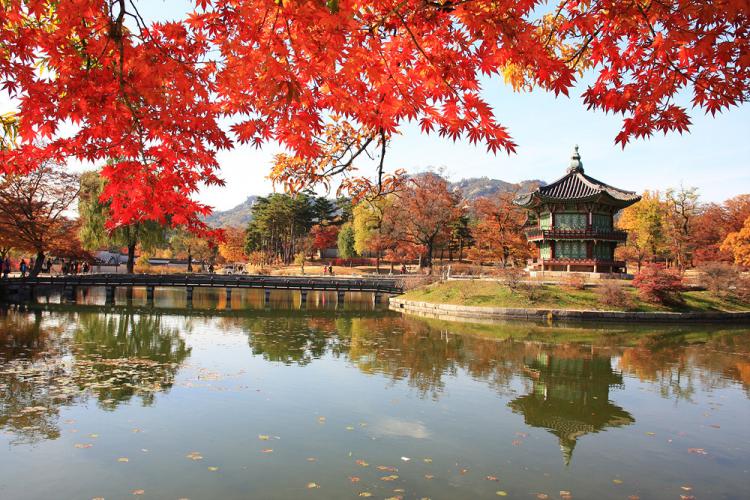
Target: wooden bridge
23 288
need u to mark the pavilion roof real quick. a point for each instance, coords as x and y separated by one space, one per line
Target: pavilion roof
575 185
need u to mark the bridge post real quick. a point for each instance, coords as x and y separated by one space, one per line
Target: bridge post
266 296
340 297
189 296
109 295
129 295
229 297
378 298
303 297
150 295
69 294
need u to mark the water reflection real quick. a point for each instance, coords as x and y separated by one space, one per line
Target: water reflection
49 361
570 397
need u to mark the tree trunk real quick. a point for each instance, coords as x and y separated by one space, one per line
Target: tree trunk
190 261
38 263
377 262
131 258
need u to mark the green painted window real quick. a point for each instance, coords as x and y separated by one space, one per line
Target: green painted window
570 221
545 250
570 249
602 221
603 251
545 220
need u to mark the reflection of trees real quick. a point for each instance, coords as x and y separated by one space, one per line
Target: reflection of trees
46 365
292 340
32 376
570 396
122 355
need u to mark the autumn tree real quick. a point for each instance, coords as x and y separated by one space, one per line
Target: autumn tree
644 222
423 214
34 210
738 243
188 246
232 248
333 82
324 236
498 230
715 222
94 232
681 212
373 220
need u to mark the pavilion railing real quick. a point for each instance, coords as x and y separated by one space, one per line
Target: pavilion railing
576 234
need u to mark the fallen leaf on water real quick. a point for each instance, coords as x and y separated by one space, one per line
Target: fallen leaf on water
267 450
354 479
491 478
697 451
428 460
123 459
213 469
312 459
392 477
522 434
405 459
93 436
501 493
617 481
687 497
651 434
349 428
144 450
428 476
464 471
98 498
634 497
365 494
263 437
83 445
542 496
136 430
311 486
516 442
138 492
387 468
565 495
321 420
362 463
194 455
715 426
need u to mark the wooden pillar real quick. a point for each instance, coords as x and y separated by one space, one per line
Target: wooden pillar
189 296
228 294
340 297
266 296
69 294
109 292
567 267
129 295
150 295
302 298
377 298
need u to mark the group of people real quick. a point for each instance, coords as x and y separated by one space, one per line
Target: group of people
25 268
328 270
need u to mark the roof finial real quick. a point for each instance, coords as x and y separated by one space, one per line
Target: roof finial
575 162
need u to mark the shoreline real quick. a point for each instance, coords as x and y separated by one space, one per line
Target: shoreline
484 312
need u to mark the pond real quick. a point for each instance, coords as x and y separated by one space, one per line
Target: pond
354 402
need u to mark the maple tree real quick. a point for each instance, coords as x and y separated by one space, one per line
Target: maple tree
93 215
324 236
333 81
34 211
232 249
498 230
373 220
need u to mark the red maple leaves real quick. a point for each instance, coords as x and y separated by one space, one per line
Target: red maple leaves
96 81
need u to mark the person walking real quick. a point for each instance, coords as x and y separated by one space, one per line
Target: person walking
6 267
23 268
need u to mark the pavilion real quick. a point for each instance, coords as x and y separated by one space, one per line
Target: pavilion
572 222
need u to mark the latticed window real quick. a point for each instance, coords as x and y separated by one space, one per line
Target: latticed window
545 250
570 249
570 221
603 251
602 221
545 221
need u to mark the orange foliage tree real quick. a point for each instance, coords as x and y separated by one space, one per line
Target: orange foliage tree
232 249
738 243
329 79
498 231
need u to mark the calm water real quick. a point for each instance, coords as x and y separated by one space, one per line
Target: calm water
326 403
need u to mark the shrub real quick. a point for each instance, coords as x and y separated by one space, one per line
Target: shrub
575 281
512 277
613 294
657 284
720 278
352 262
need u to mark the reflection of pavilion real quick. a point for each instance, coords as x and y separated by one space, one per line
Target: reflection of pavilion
570 398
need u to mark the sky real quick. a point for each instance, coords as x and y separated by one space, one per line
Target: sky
714 156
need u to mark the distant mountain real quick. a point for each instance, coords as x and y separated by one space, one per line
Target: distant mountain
478 187
472 189
238 216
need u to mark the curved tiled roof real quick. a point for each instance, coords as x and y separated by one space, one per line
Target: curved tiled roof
577 186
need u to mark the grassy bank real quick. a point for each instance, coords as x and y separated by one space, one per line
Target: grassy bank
494 294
